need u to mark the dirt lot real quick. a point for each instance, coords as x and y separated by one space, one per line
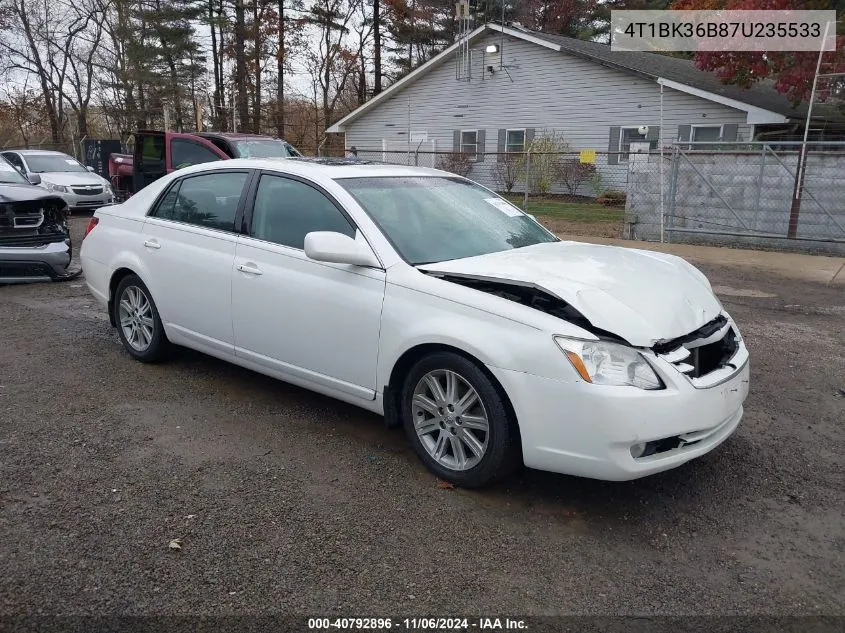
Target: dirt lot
286 501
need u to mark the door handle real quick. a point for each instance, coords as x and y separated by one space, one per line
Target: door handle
251 269
152 244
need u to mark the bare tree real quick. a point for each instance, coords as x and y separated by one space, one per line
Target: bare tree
26 111
332 62
28 44
241 98
88 23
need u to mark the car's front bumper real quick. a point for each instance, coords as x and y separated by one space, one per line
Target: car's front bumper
77 202
35 263
589 430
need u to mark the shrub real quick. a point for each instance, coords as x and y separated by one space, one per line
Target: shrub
545 157
571 173
596 183
455 162
612 198
507 170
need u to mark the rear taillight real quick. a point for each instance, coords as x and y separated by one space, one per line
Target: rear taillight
91 224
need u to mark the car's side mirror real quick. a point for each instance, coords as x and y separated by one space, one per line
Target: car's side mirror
337 248
91 169
34 179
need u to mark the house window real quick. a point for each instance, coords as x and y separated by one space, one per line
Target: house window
469 143
515 141
705 134
628 135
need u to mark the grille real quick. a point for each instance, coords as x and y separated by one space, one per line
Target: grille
21 215
87 191
702 352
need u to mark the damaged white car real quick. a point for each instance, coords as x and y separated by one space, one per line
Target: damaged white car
425 297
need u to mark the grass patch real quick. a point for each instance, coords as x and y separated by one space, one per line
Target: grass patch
586 212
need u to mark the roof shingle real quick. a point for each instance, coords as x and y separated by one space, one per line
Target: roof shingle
653 65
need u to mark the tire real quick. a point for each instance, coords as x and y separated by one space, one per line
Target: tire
133 300
443 437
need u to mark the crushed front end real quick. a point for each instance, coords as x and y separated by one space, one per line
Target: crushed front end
35 243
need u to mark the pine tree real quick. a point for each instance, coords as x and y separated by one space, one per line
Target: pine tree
166 60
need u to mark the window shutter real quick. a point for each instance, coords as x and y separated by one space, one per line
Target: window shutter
529 137
456 140
729 132
653 133
684 133
500 146
613 145
481 139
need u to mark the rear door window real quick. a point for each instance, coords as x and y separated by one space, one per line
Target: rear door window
209 200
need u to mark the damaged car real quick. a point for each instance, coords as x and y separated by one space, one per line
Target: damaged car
430 300
35 242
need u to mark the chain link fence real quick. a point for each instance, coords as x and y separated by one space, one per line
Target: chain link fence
757 195
67 147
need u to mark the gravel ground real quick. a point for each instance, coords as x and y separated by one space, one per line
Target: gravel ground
289 502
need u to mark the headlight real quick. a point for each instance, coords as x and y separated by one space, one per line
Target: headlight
603 363
50 186
107 187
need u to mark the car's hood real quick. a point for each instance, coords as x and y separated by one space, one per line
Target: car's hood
11 192
71 178
642 296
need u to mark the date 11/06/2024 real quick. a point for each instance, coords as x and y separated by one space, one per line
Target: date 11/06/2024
416 624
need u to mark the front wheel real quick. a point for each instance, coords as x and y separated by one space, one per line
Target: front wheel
457 421
138 323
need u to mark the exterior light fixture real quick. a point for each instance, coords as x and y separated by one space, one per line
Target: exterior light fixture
493 48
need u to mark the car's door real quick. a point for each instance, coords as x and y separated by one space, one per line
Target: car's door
189 242
307 319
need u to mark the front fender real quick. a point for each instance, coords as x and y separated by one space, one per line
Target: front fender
411 318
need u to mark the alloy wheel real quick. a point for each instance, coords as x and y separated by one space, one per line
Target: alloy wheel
450 419
135 314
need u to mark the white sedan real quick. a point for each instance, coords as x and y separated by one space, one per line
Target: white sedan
427 298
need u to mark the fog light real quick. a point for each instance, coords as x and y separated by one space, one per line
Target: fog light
637 450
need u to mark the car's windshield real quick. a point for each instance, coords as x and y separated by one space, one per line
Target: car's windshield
45 163
10 175
264 148
433 219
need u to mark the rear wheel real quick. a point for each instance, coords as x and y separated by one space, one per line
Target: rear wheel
138 322
457 421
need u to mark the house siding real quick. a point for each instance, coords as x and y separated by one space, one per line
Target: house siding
543 89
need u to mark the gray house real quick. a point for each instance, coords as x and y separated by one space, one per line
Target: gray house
496 90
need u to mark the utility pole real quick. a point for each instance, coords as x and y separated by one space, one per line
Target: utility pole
798 189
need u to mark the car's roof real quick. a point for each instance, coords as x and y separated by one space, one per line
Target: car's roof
234 136
332 168
44 152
